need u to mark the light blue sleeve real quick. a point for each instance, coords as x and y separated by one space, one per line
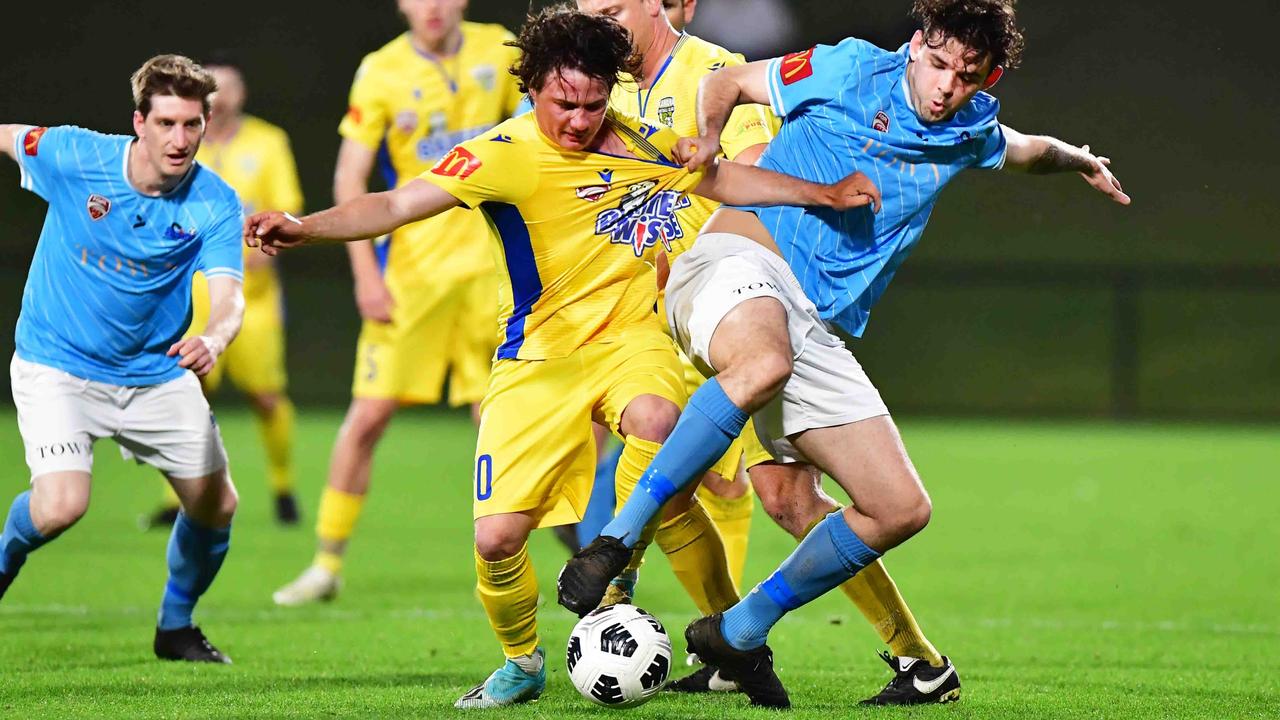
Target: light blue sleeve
45 155
220 252
991 153
813 76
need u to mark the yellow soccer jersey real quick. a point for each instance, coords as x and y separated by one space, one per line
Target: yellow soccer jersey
258 163
413 108
672 101
576 231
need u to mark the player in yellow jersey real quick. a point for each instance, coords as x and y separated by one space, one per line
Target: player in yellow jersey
442 82
579 197
253 156
674 64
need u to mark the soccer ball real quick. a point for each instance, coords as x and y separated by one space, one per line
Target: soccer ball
619 656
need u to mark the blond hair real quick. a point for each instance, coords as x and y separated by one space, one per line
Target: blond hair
171 75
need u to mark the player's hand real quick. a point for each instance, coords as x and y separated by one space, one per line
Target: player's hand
199 353
855 190
696 152
273 231
1100 177
374 300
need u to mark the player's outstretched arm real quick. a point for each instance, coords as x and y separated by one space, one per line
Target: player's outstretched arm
1041 154
732 183
718 94
362 217
226 312
9 135
351 180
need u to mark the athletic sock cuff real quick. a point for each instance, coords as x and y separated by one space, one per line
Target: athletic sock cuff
711 402
22 521
205 534
854 553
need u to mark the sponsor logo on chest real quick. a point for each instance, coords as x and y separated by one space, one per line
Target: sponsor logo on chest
643 218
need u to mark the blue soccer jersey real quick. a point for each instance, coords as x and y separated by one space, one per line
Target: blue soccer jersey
846 108
109 290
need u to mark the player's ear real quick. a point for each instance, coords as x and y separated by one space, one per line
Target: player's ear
138 122
993 77
917 42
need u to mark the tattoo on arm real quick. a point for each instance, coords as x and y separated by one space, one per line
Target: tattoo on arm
1060 157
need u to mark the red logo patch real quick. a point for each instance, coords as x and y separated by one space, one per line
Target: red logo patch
881 122
98 207
353 112
31 144
459 163
796 66
592 193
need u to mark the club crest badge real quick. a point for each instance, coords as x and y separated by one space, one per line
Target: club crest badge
406 121
643 218
667 111
881 122
98 206
486 76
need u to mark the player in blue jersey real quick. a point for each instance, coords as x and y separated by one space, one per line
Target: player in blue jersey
99 348
752 302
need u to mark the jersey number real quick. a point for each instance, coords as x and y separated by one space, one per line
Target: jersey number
484 477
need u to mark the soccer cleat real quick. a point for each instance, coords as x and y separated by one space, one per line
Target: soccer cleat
162 518
6 579
752 669
586 576
286 509
188 644
916 682
314 584
706 679
508 685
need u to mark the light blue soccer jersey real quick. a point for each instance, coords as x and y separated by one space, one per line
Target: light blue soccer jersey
109 290
846 109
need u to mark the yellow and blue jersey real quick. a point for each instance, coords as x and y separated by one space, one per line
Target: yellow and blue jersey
576 231
847 108
109 289
672 101
259 164
412 108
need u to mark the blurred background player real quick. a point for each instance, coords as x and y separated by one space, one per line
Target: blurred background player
253 156
442 82
99 348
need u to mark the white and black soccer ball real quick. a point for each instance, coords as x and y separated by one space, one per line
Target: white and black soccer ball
619 656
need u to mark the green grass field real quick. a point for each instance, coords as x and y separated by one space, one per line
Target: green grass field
1071 571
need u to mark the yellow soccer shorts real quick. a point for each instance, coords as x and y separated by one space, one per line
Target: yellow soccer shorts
535 451
437 330
254 361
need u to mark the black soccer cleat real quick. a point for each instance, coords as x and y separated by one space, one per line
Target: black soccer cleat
752 669
916 682
586 576
706 679
286 509
187 644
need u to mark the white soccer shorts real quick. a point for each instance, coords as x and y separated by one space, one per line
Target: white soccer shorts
167 426
827 387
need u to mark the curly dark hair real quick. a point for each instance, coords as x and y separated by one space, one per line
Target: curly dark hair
987 27
559 38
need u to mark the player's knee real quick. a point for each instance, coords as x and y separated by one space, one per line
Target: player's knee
227 504
913 514
755 381
264 404
55 512
493 546
366 422
650 417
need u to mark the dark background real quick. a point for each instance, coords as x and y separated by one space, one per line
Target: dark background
1028 295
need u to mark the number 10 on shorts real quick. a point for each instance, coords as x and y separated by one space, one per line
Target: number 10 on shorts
484 477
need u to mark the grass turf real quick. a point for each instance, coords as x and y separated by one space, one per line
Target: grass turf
1071 570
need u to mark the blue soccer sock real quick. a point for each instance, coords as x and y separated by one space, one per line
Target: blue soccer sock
604 498
708 425
20 536
195 554
829 555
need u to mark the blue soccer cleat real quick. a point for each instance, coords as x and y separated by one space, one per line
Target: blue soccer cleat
508 685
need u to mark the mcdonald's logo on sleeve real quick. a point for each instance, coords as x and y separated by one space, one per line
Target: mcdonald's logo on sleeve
458 163
31 143
796 66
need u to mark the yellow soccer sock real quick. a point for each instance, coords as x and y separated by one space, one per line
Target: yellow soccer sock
732 517
693 545
508 590
277 437
335 522
877 598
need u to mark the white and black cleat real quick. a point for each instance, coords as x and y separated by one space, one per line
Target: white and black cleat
916 682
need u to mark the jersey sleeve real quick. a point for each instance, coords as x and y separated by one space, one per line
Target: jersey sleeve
367 118
748 126
220 252
811 76
282 179
992 150
490 167
46 154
